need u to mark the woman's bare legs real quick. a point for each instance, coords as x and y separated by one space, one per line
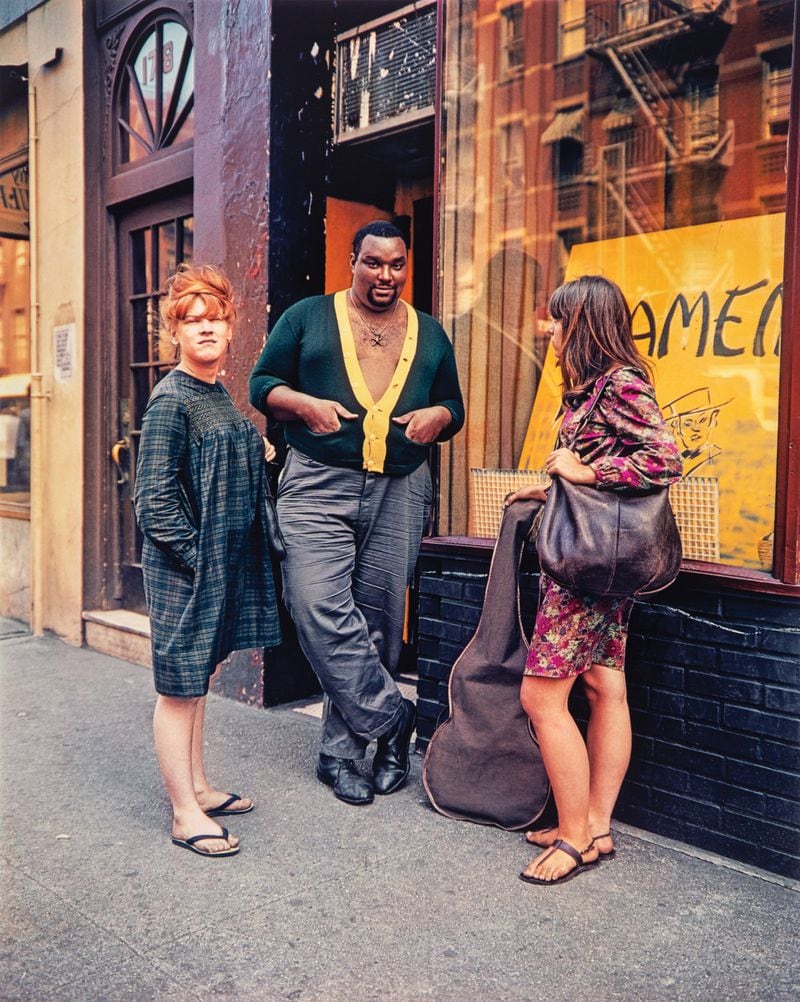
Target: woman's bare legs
608 741
206 795
173 729
566 760
608 749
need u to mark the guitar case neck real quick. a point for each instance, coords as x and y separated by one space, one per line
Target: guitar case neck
483 763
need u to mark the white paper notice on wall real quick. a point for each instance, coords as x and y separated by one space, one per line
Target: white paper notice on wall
64 352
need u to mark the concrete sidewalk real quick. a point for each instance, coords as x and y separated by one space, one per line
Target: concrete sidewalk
325 901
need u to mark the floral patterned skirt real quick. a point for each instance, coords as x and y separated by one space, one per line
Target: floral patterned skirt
574 632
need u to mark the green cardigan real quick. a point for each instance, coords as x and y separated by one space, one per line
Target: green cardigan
312 349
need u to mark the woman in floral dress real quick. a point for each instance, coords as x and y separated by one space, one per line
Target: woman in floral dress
625 444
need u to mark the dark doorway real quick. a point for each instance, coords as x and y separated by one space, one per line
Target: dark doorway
423 254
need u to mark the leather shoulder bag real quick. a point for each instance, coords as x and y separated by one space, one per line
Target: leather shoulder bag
598 542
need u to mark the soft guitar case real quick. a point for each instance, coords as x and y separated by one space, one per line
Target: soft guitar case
483 763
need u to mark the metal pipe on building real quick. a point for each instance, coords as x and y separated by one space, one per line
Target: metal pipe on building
38 395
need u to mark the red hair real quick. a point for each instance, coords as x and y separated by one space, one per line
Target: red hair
202 281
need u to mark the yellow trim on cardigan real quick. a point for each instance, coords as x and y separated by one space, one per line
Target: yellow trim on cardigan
377 420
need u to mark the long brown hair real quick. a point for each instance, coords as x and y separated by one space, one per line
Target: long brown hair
597 332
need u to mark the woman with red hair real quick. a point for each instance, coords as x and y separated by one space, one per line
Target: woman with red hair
200 502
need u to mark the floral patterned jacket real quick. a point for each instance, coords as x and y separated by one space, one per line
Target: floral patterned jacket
625 440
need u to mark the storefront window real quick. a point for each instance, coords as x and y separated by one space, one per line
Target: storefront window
646 142
15 357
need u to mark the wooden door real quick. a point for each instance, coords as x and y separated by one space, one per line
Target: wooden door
153 241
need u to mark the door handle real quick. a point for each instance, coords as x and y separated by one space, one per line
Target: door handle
123 476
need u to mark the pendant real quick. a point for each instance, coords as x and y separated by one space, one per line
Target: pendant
377 339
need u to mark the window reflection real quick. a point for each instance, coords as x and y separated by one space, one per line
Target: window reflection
777 85
15 362
644 140
512 40
572 27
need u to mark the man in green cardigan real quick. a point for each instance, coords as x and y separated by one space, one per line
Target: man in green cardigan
363 384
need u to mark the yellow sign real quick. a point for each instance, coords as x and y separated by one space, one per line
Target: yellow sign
706 303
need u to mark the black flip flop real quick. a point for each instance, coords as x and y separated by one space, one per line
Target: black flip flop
189 843
570 850
221 811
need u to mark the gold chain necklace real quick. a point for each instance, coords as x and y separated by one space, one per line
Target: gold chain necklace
376 333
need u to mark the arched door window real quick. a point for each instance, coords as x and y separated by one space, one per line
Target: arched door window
156 99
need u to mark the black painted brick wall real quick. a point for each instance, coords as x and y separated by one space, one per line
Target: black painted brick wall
714 689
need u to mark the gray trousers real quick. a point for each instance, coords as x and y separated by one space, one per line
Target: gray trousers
352 540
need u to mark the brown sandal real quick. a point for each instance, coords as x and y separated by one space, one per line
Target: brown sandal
612 852
543 845
570 850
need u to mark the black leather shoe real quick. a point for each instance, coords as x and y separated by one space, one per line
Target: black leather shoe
347 782
391 764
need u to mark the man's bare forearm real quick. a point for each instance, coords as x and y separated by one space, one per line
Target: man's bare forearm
286 404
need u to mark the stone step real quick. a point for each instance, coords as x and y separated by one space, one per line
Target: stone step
119 633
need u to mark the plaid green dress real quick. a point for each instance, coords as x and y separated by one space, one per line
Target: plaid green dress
200 503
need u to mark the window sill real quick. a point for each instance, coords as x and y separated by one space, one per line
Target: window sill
738 578
772 142
19 511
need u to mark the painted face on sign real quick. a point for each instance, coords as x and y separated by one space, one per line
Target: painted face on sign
694 429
